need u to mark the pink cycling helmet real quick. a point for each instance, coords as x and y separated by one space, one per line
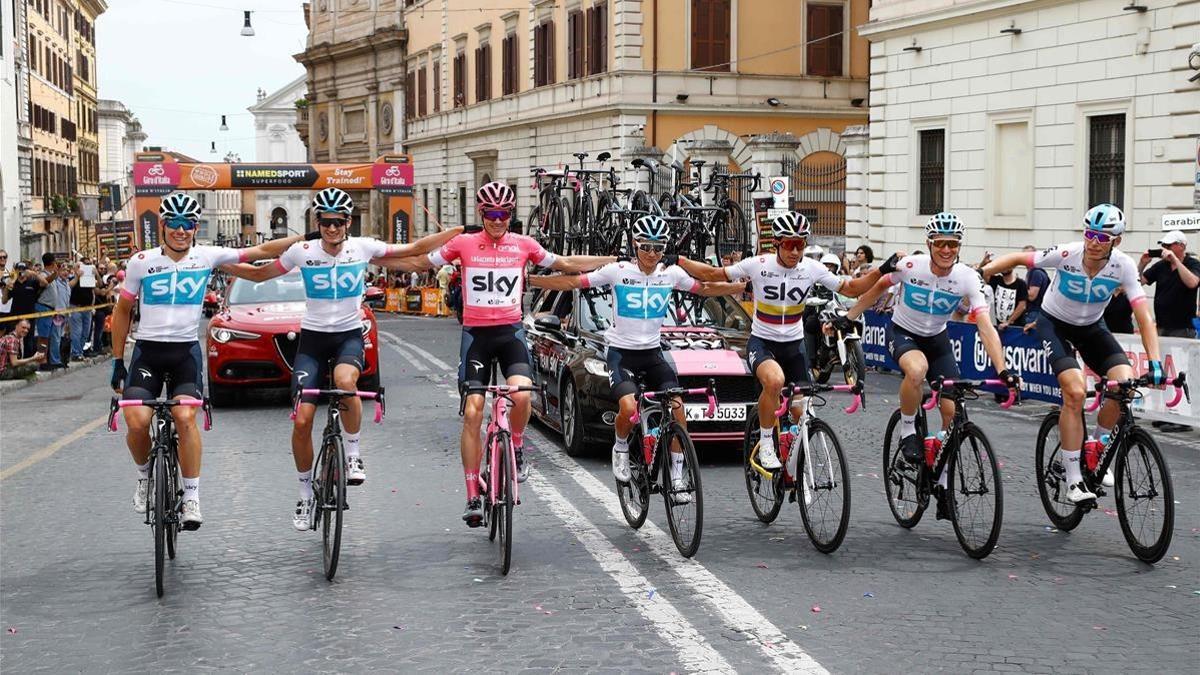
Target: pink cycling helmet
495 195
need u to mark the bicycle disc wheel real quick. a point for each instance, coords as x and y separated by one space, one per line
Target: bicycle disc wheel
635 495
333 503
159 525
1145 497
1052 478
766 494
685 506
901 481
506 485
175 499
824 489
485 471
975 493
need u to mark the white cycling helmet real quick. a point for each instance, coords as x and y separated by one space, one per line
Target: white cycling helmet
1105 218
651 228
179 205
815 252
332 200
943 225
831 259
790 225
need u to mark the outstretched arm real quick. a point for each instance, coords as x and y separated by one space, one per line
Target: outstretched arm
426 244
581 263
855 287
255 272
702 271
866 300
712 289
557 282
1005 263
270 249
412 263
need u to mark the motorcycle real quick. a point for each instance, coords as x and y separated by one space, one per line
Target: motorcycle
839 343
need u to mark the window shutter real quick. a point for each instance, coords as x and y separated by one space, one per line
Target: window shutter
824 56
551 71
574 48
539 55
700 32
437 86
597 61
421 91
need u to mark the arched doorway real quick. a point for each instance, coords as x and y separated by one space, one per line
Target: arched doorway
279 222
819 192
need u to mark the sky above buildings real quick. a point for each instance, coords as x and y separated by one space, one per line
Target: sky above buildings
178 65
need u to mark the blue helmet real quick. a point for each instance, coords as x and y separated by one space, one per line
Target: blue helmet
333 200
1105 218
944 224
179 205
651 228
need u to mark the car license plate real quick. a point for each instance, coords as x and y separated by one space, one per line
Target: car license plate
732 412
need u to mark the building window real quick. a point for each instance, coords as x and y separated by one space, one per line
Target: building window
933 170
575 28
710 34
543 54
825 40
422 93
410 103
437 195
437 86
1106 160
508 64
483 72
1012 171
598 39
462 206
460 80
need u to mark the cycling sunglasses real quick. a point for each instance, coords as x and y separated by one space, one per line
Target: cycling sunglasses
1098 237
332 222
945 243
792 244
181 223
651 247
495 214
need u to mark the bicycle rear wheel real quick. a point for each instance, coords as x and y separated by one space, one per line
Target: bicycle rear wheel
685 506
901 481
1145 497
505 485
824 487
158 525
1052 477
635 495
976 496
730 230
766 494
332 502
176 496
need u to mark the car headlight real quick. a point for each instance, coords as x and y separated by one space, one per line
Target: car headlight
596 367
224 335
366 326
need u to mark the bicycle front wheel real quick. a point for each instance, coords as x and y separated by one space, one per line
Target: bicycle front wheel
766 493
901 480
824 481
332 502
162 502
1052 477
175 491
683 496
1145 497
635 495
505 485
976 497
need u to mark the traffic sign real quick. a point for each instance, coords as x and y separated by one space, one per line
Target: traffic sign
780 192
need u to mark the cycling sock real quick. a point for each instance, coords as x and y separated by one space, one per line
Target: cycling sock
676 465
1071 465
143 469
1100 432
766 438
472 480
908 425
305 484
518 439
621 444
191 489
351 444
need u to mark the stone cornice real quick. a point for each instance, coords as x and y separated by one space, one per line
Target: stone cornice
876 31
326 52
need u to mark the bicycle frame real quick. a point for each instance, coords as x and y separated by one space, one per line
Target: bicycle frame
790 454
956 390
1125 393
163 439
664 402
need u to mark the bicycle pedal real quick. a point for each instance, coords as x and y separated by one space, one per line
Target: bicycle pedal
1087 505
792 497
1100 492
191 527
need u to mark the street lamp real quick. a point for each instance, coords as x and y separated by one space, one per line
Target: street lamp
224 126
247 29
213 151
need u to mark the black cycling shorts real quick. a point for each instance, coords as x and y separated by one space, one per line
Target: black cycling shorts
154 363
626 365
789 355
938 351
483 344
313 354
1099 349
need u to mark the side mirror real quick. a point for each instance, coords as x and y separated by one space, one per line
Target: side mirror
551 323
603 157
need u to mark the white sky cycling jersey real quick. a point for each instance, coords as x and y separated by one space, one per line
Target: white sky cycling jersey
779 293
925 301
640 301
172 293
333 285
1075 298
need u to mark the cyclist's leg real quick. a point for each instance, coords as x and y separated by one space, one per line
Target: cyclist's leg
187 369
1103 354
143 382
473 371
512 352
1058 337
621 383
347 365
939 354
770 378
794 361
913 364
308 372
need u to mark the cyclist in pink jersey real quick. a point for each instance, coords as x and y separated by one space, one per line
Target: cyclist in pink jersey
493 272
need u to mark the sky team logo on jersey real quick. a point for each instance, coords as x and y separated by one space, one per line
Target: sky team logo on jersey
336 282
176 287
930 301
792 294
640 302
1076 287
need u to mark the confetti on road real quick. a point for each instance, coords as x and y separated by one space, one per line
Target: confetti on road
761 566
1172 586
816 609
1099 628
13 631
775 539
1175 558
398 627
1012 577
478 580
868 595
650 595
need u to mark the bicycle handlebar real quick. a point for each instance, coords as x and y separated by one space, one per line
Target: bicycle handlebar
376 396
158 404
941 383
710 391
1179 384
791 390
504 390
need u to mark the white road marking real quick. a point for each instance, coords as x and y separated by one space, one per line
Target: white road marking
737 613
394 343
54 447
432 359
695 653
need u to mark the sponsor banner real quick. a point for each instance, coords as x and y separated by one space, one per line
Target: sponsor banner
762 207
155 178
1179 354
392 178
116 240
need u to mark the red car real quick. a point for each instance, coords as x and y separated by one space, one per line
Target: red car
252 340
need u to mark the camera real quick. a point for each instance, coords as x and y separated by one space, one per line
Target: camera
1154 253
1194 57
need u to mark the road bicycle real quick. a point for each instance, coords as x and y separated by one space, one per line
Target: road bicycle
808 449
498 473
165 501
1142 485
649 465
548 220
973 496
329 471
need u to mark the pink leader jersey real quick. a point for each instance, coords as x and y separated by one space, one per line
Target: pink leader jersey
493 274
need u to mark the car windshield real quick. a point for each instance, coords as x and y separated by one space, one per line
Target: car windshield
287 288
685 309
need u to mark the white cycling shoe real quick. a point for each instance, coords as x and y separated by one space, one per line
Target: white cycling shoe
767 458
1078 492
681 491
191 518
355 473
140 495
620 464
302 518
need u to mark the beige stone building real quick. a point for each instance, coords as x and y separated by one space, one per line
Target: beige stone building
355 78
87 145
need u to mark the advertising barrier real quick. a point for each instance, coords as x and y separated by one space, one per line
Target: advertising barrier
1029 357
